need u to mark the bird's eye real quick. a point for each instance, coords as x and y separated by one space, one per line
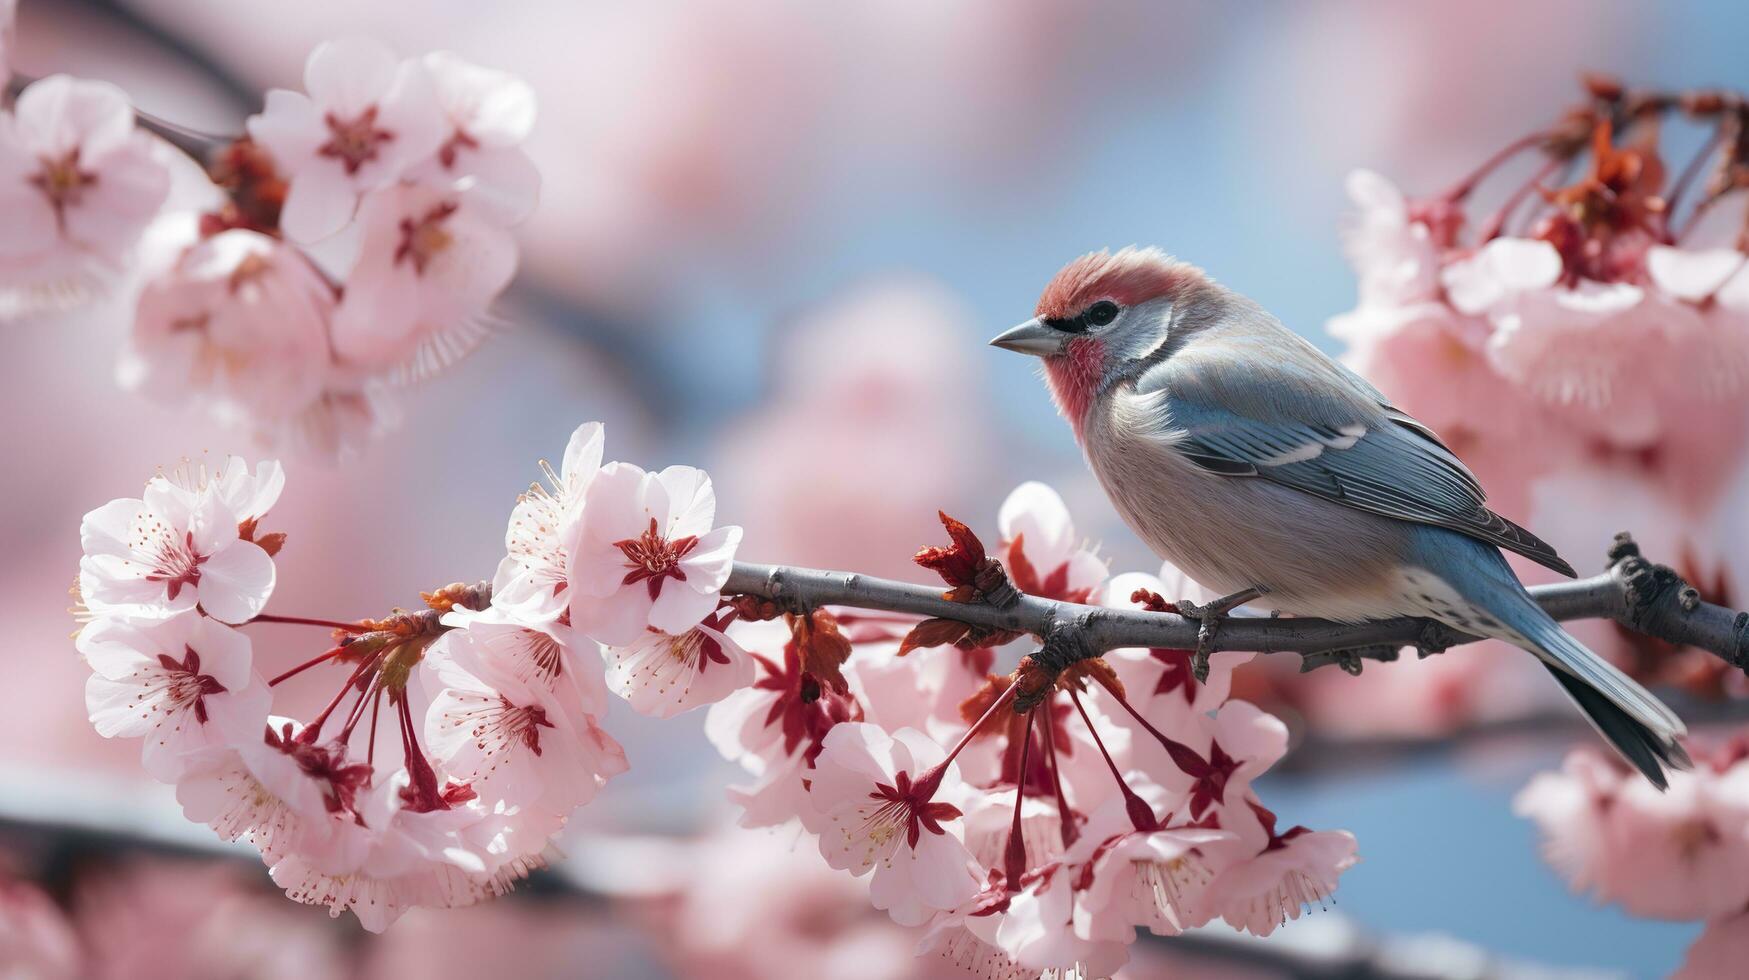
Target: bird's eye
1101 313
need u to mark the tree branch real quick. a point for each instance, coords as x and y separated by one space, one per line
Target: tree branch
1646 598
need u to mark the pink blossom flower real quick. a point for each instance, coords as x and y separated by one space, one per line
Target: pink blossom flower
509 739
1572 808
1126 876
490 113
544 655
883 806
366 120
429 263
1038 929
185 684
240 321
78 185
286 796
645 554
1285 874
1040 549
1153 676
663 674
1393 254
1665 855
532 577
169 551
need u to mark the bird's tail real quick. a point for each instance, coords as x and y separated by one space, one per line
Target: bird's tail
1490 601
1640 726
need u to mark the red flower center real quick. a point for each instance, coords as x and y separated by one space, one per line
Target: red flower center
187 684
354 141
907 805
63 183
654 559
176 564
424 238
524 723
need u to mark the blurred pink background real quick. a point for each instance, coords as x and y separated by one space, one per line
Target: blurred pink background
772 241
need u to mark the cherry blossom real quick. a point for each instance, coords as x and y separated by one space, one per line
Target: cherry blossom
367 119
429 262
662 674
1149 676
1284 875
284 794
169 551
184 684
240 322
883 807
544 655
532 577
1040 549
490 113
645 554
1670 855
1127 877
1037 931
509 739
78 185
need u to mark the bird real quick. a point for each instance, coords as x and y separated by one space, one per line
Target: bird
1264 469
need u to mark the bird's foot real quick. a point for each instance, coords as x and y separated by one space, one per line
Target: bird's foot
1209 616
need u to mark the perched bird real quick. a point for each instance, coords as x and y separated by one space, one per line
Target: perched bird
1264 469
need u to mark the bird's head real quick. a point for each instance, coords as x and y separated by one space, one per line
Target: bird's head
1100 319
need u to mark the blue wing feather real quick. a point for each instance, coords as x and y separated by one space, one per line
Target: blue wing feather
1310 424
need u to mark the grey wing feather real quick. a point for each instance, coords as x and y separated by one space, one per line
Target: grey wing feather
1313 426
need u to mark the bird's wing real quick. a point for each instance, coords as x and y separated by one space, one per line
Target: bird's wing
1238 410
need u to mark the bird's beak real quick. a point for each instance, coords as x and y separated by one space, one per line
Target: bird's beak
1032 337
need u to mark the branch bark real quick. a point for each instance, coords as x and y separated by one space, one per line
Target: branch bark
1641 596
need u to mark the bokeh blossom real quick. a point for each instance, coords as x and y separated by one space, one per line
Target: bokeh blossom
78 184
291 279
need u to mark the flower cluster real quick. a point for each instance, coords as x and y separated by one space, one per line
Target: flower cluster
1681 855
1031 821
354 240
79 184
488 700
1583 347
365 233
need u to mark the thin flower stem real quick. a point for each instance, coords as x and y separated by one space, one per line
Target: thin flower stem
1065 816
1141 815
1496 225
357 713
306 665
1462 188
1680 189
313 731
1187 759
1014 854
932 776
376 704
